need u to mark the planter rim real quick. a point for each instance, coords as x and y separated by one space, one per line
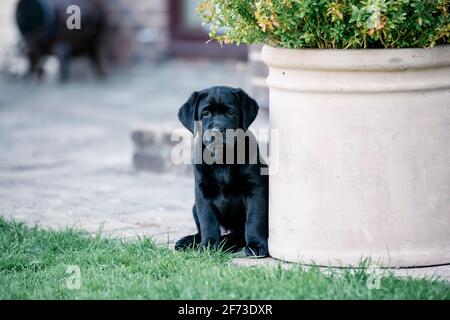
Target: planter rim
357 59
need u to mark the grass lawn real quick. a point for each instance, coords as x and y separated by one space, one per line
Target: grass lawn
34 262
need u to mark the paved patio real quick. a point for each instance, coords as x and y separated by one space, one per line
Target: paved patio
67 151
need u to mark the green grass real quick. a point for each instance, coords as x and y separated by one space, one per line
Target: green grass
33 264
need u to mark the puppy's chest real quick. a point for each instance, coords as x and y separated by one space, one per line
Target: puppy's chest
224 184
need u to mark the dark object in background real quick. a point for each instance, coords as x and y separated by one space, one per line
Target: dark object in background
229 196
42 24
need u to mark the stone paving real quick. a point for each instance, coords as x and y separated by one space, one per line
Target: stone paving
433 272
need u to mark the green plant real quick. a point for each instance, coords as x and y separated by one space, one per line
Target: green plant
329 24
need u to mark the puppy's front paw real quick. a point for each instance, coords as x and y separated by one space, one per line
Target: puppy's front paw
188 242
210 243
257 249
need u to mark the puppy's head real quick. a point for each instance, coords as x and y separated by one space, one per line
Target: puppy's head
219 109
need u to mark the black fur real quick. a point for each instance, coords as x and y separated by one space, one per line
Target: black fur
233 197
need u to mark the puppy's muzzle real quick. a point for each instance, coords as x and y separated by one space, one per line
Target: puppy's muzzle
213 136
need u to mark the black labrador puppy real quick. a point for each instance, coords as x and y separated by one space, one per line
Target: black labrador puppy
232 197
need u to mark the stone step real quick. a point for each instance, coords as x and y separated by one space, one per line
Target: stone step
153 148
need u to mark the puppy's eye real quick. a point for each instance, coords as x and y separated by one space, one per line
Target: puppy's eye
206 114
230 112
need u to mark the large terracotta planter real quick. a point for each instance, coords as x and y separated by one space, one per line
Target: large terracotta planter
364 156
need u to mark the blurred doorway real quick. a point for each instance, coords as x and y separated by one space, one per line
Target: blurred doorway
188 37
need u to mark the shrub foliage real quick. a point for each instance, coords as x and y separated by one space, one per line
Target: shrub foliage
329 24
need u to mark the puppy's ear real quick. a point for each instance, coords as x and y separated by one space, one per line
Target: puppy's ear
249 108
186 114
